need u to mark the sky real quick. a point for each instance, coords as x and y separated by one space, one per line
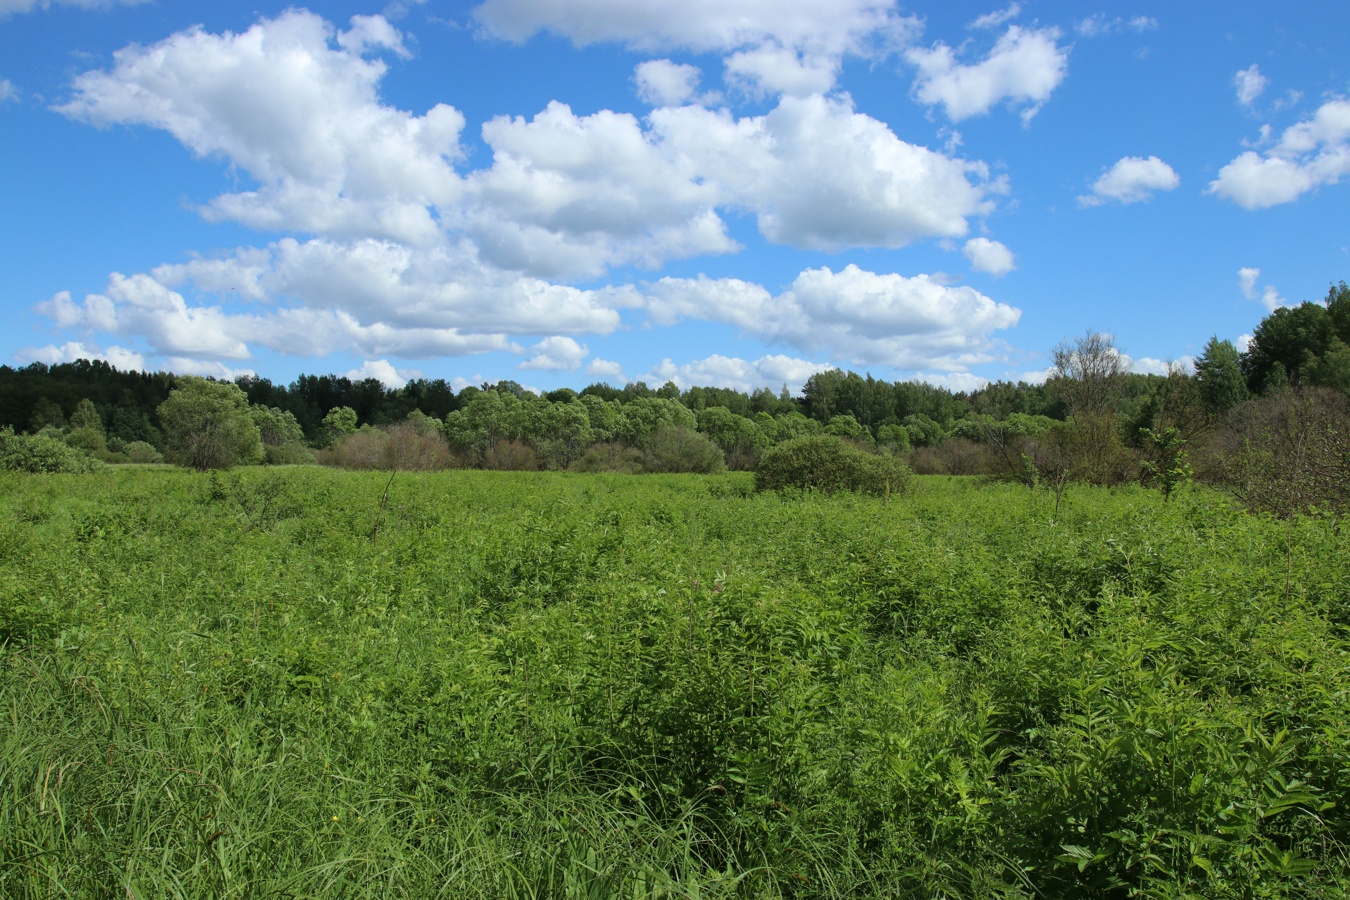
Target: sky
712 192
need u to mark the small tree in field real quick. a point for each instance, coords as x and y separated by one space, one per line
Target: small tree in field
207 425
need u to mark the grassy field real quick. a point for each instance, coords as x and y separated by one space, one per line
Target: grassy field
310 683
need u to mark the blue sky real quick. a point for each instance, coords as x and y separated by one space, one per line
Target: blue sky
729 192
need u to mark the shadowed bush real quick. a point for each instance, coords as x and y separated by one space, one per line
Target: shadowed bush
399 448
39 454
610 457
828 463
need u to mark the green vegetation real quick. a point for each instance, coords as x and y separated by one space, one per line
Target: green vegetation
828 463
309 682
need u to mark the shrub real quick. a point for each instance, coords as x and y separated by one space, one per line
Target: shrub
1287 453
954 456
400 448
41 453
511 456
610 457
207 425
142 452
828 463
682 449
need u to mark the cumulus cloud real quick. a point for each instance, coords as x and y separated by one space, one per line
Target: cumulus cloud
771 69
8 91
818 174
383 371
572 196
1099 24
952 381
556 354
120 358
1024 67
988 256
1132 180
12 7
368 298
1250 84
607 369
998 18
1147 365
661 82
293 102
773 43
1247 281
863 317
738 374
1271 299
1307 156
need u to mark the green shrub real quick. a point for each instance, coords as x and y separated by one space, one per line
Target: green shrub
828 463
40 453
610 457
682 449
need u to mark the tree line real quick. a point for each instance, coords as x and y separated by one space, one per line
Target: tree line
1091 420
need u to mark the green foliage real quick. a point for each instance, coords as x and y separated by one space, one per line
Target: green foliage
1219 372
682 450
829 464
141 452
552 685
208 425
42 454
1167 464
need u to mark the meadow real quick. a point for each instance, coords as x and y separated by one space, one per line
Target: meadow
302 682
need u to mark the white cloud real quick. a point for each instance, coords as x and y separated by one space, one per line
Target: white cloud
1307 156
855 315
952 381
1147 365
1247 281
607 369
1098 24
988 256
661 82
1250 84
383 371
738 374
187 365
762 35
1243 342
817 174
8 91
570 196
1132 180
558 354
771 69
120 358
368 298
293 102
1271 299
998 18
12 7
1024 67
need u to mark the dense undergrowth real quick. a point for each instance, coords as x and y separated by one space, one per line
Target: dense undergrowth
311 683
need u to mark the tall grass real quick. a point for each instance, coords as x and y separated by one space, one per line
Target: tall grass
551 685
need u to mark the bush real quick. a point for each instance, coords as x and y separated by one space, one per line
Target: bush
610 457
681 449
511 456
954 456
400 448
142 452
41 453
287 455
828 463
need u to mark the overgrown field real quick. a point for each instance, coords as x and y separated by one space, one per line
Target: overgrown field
290 683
